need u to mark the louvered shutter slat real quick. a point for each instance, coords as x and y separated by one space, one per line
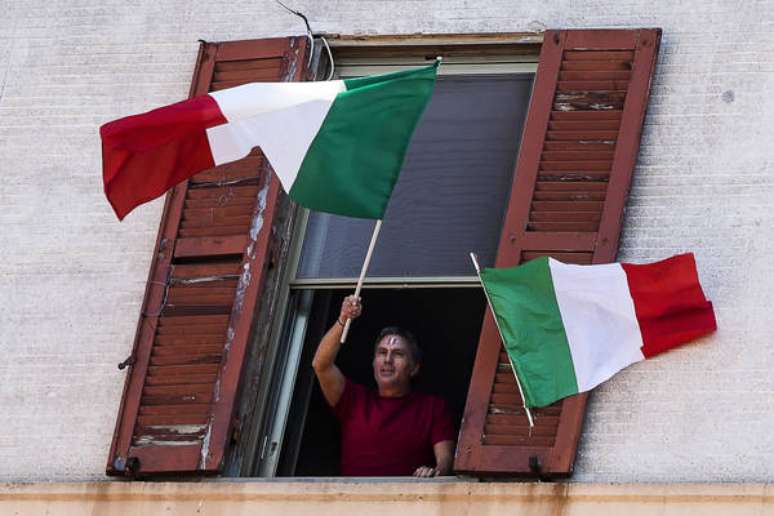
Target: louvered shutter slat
573 174
203 289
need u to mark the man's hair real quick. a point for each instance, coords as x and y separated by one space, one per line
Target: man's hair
411 340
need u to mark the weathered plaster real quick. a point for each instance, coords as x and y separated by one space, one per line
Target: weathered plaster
385 498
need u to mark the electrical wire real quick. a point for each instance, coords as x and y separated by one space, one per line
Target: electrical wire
330 58
309 33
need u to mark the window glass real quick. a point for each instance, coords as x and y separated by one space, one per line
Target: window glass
451 194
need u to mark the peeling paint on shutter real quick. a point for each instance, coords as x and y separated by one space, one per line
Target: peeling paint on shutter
212 251
572 178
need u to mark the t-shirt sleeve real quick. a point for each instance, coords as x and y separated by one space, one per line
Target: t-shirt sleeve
348 400
443 426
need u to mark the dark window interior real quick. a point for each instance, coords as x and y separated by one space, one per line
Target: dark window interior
446 321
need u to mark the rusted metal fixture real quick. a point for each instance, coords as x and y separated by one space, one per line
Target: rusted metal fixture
128 362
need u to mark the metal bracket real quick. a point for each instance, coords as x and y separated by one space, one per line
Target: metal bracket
537 468
132 467
130 360
129 466
236 430
275 249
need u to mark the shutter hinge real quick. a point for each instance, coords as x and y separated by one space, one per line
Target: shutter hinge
130 360
275 249
129 466
166 246
236 430
537 468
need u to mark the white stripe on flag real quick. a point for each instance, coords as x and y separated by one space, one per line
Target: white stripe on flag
280 118
255 98
599 319
283 136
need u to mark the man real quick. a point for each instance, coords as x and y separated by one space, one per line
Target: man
391 430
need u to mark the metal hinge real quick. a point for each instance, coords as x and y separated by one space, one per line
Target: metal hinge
536 467
162 247
130 360
129 466
276 244
236 430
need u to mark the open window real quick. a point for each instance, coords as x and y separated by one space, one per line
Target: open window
450 200
243 284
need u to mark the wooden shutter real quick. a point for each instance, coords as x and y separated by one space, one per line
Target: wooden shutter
572 177
213 248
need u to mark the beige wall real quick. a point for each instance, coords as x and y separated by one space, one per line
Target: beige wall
374 499
72 277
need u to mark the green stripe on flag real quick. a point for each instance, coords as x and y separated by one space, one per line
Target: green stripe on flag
354 161
528 315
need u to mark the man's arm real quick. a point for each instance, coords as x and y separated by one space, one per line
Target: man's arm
444 459
324 362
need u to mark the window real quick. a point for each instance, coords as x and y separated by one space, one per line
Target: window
450 200
233 296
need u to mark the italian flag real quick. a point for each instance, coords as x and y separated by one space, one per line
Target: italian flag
336 146
568 328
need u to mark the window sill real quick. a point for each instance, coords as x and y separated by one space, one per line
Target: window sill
346 480
359 496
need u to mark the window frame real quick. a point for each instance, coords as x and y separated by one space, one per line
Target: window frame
468 54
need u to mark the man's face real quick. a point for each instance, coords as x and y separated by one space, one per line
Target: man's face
393 364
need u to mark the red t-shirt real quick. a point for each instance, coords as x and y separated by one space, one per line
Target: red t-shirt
389 436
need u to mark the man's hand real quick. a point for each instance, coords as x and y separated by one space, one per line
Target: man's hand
331 379
444 457
426 472
350 308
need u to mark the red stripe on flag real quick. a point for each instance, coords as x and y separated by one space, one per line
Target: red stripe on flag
669 303
145 155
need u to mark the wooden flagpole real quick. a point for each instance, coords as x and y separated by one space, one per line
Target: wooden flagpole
494 316
363 271
367 260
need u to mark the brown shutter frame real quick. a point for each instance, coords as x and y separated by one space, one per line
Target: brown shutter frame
567 164
203 396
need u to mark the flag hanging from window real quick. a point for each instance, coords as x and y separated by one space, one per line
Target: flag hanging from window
568 328
336 146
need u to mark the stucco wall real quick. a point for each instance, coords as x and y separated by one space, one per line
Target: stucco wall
72 277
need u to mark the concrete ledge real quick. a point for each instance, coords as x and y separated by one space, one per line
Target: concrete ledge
376 498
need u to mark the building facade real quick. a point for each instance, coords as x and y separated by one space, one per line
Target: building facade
74 277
